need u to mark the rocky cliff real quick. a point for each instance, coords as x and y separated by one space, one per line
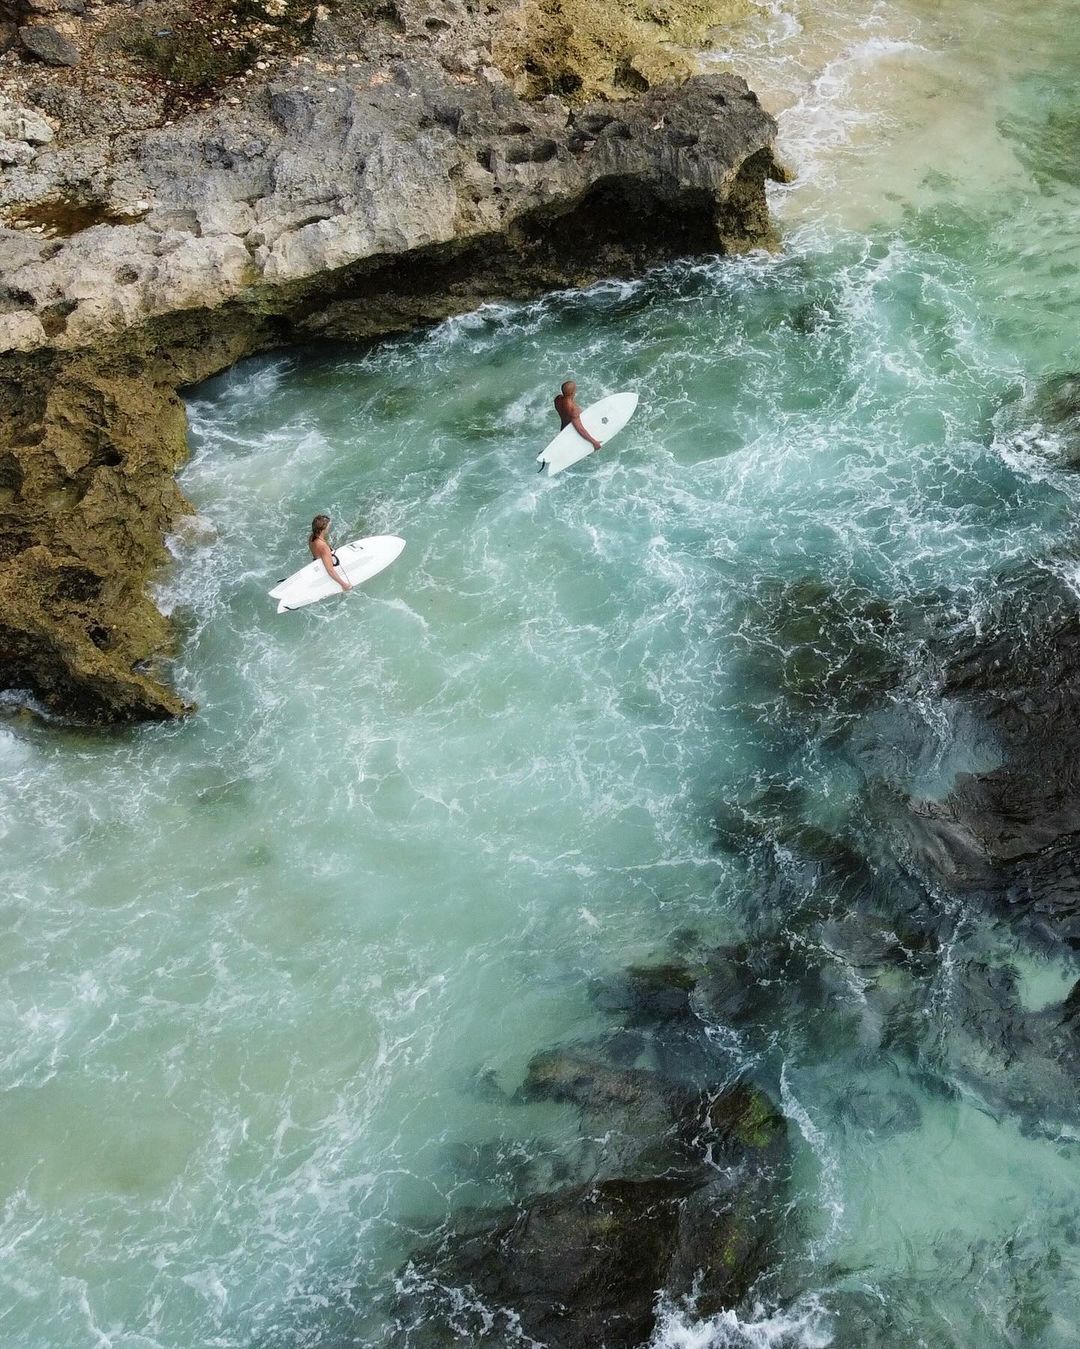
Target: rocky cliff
373 175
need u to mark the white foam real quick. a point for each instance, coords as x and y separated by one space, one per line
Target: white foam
14 752
804 1326
831 1197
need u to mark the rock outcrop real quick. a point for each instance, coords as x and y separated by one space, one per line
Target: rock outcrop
684 1208
345 205
1057 408
1011 836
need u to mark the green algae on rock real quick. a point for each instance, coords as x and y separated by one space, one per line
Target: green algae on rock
682 1209
581 50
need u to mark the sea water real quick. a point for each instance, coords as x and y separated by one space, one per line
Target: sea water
269 977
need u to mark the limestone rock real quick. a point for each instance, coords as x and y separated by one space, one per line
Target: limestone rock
15 152
20 331
581 49
56 6
23 124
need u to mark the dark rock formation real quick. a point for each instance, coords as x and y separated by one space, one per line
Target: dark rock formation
45 43
650 994
818 646
584 1266
1012 836
579 1267
1057 406
689 1215
675 1191
341 207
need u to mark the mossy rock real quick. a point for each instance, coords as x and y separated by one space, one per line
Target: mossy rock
186 56
584 1265
580 50
748 1117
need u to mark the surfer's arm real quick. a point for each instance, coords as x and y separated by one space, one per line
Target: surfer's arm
579 427
326 557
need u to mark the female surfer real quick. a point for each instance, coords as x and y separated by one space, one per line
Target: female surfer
322 552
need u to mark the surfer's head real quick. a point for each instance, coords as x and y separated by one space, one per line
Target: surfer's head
319 526
569 389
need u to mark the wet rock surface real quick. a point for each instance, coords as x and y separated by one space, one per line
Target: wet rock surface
675 1194
682 1206
687 1195
814 645
1012 835
1057 407
322 201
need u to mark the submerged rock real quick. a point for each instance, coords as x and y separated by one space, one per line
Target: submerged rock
677 1194
778 817
880 1113
649 994
818 646
579 1267
569 1075
832 978
1057 405
1018 1060
1012 836
585 1265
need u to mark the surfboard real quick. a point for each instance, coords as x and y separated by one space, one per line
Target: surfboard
358 561
603 420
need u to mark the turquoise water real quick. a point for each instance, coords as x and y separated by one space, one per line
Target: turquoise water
263 974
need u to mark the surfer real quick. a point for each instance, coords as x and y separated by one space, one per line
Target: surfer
570 413
322 552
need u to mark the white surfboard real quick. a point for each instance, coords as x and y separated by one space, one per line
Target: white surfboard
603 420
357 561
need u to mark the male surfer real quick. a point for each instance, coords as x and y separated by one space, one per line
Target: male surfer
322 552
570 413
